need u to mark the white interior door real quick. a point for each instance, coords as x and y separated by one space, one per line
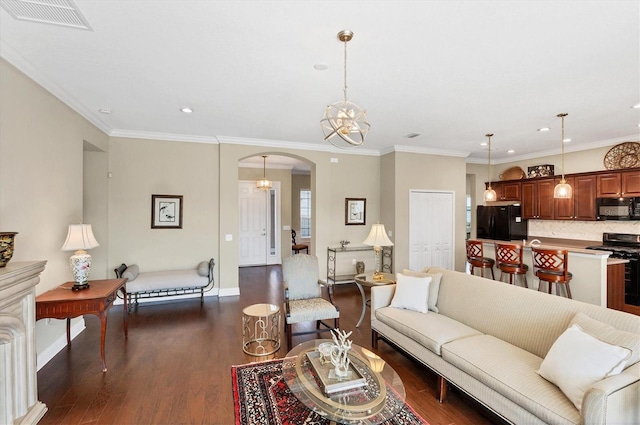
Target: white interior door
252 235
258 238
431 229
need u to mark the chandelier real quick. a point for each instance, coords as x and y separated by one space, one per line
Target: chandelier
344 123
563 189
489 194
264 184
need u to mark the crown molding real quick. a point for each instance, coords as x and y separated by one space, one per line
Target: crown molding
296 145
20 63
426 151
128 134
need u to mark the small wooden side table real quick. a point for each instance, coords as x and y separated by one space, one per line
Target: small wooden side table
64 303
366 279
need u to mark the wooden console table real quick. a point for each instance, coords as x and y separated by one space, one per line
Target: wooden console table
64 303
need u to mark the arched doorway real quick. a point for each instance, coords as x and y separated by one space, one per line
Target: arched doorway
266 217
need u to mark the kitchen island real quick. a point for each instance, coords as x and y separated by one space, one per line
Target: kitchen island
589 267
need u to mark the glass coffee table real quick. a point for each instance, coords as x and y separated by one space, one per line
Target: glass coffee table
377 401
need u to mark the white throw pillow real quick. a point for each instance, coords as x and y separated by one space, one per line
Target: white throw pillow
434 286
203 268
577 360
411 293
131 272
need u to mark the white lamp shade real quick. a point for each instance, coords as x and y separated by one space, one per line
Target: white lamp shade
378 236
80 236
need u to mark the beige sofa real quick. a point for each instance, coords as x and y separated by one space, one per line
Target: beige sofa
489 338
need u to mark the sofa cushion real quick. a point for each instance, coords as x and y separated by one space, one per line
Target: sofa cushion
434 287
577 360
610 335
429 330
411 293
511 371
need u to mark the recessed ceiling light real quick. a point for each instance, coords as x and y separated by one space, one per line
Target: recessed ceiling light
483 144
636 106
544 129
187 110
566 140
510 151
104 111
320 66
412 135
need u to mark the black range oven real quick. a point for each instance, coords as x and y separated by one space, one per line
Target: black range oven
626 246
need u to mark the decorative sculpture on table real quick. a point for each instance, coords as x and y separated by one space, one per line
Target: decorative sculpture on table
339 355
344 243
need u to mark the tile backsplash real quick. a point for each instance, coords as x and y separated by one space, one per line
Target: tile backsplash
582 230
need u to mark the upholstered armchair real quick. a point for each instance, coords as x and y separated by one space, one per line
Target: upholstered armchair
303 301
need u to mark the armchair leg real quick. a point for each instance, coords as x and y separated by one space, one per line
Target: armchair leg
289 336
374 339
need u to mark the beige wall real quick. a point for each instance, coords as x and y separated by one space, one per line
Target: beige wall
429 172
141 168
41 180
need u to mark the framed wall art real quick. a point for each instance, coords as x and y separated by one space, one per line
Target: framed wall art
166 211
355 211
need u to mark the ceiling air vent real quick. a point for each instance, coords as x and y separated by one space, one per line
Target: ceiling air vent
55 12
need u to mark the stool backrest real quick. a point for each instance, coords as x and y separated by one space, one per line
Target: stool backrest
555 261
474 249
509 253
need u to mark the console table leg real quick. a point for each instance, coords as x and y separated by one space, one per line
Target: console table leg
103 334
364 304
68 332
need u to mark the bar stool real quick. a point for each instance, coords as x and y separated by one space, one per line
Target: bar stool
510 260
552 266
476 258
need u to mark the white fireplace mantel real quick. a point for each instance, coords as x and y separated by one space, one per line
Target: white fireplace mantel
18 378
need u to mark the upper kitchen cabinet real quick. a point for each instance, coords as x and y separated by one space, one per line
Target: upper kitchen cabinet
506 190
537 199
615 184
582 205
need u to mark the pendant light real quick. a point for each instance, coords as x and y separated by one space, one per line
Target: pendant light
489 194
264 184
563 189
344 123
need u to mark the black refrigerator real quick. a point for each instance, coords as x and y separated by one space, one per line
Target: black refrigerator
504 223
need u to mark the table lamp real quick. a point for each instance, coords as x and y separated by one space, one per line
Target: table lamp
79 238
377 239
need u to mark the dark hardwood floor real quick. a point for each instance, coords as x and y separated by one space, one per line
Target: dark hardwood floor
175 367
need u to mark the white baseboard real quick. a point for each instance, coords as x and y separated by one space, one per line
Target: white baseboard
59 344
229 292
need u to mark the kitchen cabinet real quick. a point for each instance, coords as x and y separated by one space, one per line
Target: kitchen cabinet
506 190
537 199
618 183
582 205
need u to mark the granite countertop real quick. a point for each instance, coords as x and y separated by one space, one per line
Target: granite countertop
572 245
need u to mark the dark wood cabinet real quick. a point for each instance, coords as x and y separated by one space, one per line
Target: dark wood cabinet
630 183
584 198
619 183
582 205
506 190
537 199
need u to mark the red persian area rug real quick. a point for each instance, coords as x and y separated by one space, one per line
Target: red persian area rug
261 397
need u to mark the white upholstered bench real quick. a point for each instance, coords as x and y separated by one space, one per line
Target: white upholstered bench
166 283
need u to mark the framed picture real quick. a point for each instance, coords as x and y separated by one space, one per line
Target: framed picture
166 211
355 211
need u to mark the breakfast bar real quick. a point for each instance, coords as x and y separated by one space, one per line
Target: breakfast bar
589 267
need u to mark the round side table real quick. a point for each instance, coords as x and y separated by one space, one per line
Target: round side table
261 329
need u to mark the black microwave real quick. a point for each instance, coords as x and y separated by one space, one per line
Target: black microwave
618 208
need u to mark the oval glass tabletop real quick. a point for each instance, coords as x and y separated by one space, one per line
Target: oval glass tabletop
372 395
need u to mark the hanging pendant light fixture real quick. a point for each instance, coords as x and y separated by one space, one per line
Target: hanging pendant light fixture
563 189
489 194
344 123
264 184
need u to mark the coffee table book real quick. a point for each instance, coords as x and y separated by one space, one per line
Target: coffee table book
327 380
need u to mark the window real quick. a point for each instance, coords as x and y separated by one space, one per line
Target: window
305 213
